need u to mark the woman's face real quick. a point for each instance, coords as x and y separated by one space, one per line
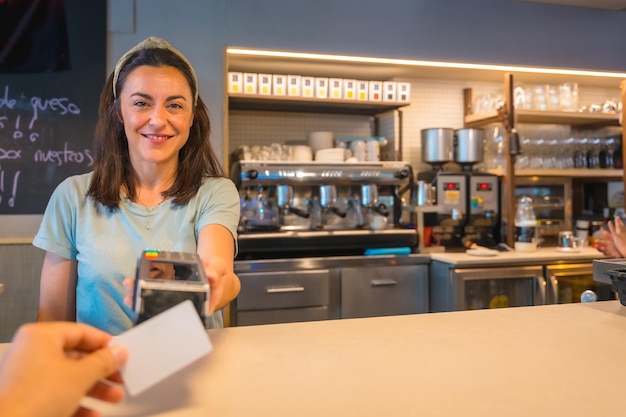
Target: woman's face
157 111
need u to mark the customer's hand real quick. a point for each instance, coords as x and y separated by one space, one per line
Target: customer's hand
606 245
50 367
618 233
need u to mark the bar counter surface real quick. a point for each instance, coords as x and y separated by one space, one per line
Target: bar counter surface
540 256
555 360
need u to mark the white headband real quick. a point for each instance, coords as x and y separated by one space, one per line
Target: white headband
151 43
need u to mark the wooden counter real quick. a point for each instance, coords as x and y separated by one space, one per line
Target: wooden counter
556 360
540 256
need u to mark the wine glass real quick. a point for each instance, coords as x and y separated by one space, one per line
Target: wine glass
611 143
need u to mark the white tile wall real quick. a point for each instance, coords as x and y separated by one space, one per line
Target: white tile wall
249 127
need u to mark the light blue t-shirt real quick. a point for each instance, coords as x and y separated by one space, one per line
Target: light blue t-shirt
106 244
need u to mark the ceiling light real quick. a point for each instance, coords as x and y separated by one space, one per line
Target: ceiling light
420 63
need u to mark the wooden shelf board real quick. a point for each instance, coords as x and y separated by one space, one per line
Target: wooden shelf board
572 172
306 104
548 117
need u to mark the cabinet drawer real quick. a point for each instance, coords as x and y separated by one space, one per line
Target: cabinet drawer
288 315
384 291
273 290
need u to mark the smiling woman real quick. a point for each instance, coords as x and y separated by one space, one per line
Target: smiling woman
156 183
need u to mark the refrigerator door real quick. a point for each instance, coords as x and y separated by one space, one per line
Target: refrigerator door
500 287
566 282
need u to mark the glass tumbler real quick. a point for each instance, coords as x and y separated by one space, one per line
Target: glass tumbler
568 96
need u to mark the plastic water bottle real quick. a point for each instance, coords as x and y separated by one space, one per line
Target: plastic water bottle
525 226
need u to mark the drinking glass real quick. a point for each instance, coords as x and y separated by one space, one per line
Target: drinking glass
568 96
552 97
611 143
540 101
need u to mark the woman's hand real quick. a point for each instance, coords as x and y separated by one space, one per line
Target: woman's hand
216 248
221 277
51 366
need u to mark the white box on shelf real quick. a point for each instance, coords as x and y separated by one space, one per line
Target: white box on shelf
265 84
235 82
376 90
335 87
308 86
389 91
349 89
279 85
321 87
293 85
403 92
362 90
250 83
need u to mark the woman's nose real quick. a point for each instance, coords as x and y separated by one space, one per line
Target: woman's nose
158 115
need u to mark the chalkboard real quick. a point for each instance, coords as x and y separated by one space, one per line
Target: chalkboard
48 107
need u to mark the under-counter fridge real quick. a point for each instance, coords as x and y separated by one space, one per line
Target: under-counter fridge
453 288
567 282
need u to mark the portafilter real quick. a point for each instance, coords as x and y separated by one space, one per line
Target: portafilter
369 195
284 194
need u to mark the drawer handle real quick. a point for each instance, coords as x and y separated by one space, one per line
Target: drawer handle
383 282
284 289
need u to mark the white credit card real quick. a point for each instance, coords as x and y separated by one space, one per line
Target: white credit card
162 345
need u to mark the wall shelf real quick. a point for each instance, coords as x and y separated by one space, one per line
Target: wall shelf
311 105
570 173
575 119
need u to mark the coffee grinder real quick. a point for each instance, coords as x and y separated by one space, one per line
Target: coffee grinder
483 222
468 201
451 188
483 226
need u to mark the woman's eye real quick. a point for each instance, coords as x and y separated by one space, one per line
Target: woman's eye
140 103
176 106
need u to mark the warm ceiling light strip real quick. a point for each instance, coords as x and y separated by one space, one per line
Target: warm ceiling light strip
418 63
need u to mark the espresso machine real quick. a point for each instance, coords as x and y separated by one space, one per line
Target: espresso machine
468 200
324 206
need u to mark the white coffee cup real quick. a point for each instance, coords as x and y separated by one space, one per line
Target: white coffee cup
359 149
320 140
373 150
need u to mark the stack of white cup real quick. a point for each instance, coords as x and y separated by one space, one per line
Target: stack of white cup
320 140
365 150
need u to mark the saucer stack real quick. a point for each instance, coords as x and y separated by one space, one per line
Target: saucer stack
330 155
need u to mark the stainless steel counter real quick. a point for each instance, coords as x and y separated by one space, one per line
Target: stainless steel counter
329 262
322 288
327 243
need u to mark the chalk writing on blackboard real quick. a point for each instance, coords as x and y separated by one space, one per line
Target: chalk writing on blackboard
38 147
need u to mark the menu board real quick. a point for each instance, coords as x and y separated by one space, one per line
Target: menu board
52 69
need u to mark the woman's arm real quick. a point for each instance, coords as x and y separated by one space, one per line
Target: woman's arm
57 299
216 248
